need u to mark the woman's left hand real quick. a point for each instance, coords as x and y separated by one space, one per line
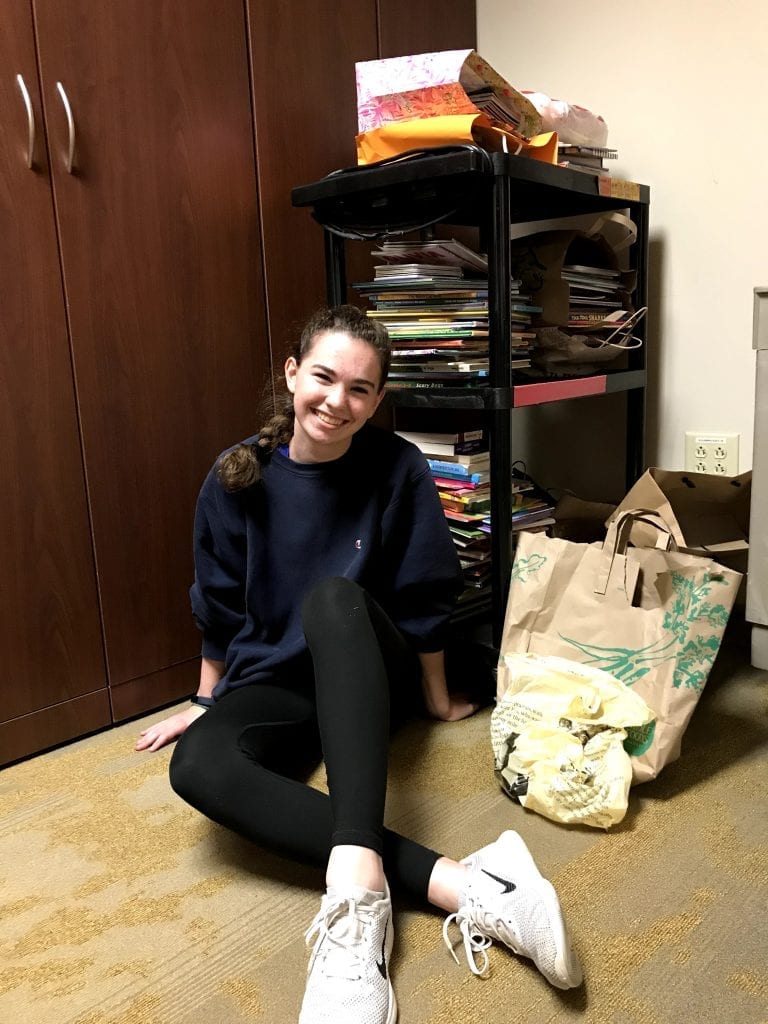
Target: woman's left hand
453 708
158 735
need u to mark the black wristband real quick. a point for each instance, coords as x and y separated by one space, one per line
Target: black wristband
203 702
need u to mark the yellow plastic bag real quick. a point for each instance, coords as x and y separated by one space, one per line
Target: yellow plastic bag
558 737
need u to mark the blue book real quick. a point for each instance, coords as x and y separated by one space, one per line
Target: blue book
455 471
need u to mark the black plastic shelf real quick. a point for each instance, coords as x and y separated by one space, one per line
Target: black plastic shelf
465 185
522 394
402 195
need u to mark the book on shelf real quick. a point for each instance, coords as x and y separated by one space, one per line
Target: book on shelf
600 152
425 294
390 272
455 483
447 345
466 503
527 518
463 517
466 535
475 492
473 556
464 285
434 325
425 306
444 377
587 159
440 366
458 442
470 460
439 250
427 315
455 471
436 385
480 565
399 333
477 577
582 168
421 352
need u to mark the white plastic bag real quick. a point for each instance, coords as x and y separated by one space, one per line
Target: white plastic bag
558 739
574 125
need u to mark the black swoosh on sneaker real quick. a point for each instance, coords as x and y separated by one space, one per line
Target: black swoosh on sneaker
382 964
505 882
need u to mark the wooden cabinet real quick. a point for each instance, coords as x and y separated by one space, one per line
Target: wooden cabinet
53 682
160 252
148 288
135 348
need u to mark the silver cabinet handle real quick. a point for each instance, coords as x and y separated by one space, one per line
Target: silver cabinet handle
30 120
71 124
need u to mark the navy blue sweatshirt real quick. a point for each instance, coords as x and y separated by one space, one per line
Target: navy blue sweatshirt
372 516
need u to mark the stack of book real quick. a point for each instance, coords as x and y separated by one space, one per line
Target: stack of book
590 159
447 251
460 465
435 306
594 293
533 508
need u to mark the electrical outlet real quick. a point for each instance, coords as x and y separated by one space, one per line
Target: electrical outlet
712 453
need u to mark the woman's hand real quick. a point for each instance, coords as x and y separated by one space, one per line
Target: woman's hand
169 729
452 708
448 707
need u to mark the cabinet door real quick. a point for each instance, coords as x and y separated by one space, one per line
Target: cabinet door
425 27
158 222
49 627
303 58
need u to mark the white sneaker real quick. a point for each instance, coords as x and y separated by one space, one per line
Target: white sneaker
506 898
348 974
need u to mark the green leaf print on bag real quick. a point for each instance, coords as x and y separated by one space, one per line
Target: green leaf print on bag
525 567
639 738
693 655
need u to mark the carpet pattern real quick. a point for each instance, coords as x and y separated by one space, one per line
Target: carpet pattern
121 905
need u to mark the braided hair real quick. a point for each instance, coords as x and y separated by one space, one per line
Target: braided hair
241 467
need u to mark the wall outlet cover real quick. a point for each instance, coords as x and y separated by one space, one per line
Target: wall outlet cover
712 451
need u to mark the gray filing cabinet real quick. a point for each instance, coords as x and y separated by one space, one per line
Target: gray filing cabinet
757 579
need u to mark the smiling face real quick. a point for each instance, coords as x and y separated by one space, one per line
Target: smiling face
336 388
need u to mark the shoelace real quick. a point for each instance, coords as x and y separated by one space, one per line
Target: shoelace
348 926
475 943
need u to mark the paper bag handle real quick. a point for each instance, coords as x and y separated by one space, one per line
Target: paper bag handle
623 523
615 547
618 240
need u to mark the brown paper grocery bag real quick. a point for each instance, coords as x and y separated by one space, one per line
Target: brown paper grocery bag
652 618
706 514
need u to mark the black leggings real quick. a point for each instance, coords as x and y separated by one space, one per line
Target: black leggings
241 762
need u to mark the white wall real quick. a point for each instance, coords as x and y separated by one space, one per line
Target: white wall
683 86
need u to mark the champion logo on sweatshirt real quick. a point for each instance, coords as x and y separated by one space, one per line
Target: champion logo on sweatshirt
358 543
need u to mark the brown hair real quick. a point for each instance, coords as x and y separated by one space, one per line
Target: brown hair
241 467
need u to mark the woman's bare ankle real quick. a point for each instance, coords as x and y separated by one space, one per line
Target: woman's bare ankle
445 884
355 865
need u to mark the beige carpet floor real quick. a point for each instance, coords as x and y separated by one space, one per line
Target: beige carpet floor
120 905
